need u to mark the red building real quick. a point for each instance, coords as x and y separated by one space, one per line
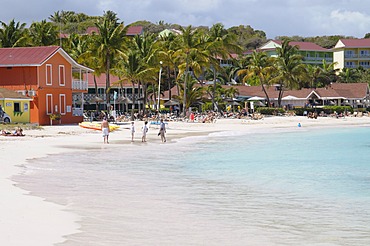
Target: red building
49 76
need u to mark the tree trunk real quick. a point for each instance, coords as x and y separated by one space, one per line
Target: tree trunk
133 101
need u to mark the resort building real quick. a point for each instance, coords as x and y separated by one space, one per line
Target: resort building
48 76
352 53
356 95
121 94
312 53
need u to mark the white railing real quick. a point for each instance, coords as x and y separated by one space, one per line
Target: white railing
79 85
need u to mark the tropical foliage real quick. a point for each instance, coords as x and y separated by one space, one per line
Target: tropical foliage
188 59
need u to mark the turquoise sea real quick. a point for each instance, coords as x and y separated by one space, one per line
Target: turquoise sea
305 187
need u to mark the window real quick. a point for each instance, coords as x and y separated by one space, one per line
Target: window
365 64
62 104
49 104
62 76
349 53
49 74
17 107
364 53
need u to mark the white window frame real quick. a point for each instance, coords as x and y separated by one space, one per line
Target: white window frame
62 98
49 67
47 104
63 75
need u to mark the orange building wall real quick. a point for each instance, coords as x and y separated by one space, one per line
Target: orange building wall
19 78
27 78
56 90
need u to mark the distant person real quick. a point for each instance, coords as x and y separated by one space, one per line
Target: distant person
162 131
1 112
132 130
145 130
105 129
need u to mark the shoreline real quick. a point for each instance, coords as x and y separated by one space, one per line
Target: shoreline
22 211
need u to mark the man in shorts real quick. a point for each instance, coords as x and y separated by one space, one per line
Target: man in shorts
105 130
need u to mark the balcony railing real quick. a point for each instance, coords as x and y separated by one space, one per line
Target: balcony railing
79 85
350 55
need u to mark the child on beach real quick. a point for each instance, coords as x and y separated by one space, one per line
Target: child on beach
145 130
132 129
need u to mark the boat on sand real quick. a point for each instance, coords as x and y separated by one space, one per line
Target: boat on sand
97 126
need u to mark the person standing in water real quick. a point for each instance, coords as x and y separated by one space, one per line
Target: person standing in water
145 130
105 129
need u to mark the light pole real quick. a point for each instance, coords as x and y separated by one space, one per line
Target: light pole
159 84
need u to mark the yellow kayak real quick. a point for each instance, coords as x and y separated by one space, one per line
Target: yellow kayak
97 126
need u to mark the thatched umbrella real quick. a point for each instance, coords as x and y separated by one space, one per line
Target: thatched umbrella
171 103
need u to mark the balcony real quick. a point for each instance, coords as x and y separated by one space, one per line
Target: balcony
350 56
79 85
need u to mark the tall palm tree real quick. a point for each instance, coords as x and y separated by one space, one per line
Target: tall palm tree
109 42
166 47
291 70
144 45
132 69
221 45
43 33
261 69
13 34
192 54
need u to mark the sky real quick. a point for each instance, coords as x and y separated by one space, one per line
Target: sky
304 18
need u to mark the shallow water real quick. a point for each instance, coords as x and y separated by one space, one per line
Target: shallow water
309 187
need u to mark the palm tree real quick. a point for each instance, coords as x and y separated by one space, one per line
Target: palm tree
290 68
192 93
132 69
220 46
261 69
43 33
109 42
166 47
192 54
13 34
145 47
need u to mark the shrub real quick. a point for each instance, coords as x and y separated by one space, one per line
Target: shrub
270 111
338 109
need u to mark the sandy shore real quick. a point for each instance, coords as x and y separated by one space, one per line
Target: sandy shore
30 220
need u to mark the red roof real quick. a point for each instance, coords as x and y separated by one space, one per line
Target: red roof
101 80
92 29
26 56
365 42
134 30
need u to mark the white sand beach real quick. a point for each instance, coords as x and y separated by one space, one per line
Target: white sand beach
29 220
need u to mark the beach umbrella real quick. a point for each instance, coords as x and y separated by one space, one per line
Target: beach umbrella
256 98
96 100
124 100
171 103
234 103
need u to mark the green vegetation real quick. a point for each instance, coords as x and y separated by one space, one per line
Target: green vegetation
188 57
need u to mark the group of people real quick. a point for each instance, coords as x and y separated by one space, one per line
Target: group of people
162 130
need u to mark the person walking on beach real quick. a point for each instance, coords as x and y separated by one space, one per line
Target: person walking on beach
105 129
145 130
162 131
132 129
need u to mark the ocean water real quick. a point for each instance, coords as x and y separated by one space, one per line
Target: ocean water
306 187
